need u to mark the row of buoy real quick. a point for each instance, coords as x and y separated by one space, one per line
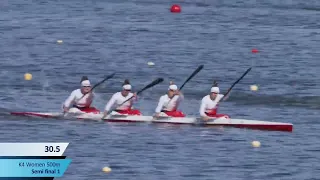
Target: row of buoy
28 77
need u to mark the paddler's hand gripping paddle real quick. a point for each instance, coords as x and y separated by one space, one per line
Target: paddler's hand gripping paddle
153 83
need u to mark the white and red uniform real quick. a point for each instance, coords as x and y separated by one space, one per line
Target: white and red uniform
77 100
209 107
169 106
117 99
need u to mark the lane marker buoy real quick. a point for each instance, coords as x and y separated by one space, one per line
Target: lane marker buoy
175 8
254 87
106 169
27 76
256 143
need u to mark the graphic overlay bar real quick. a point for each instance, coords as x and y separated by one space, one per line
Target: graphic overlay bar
33 167
36 161
32 149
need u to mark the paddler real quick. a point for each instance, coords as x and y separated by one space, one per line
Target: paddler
118 98
209 104
169 102
81 98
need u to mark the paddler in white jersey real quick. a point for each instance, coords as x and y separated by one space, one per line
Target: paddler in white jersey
118 98
169 102
209 104
81 98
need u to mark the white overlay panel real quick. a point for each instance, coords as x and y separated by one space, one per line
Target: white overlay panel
33 149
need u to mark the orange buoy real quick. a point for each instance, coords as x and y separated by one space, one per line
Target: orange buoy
175 8
254 51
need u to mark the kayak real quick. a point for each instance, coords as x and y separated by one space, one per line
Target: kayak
222 121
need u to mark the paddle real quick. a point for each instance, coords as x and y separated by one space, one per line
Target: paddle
106 78
153 83
189 78
249 69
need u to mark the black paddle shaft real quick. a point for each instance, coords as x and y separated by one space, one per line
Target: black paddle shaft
237 81
192 75
189 78
106 78
153 83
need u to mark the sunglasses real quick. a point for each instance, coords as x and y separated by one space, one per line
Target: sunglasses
127 90
86 86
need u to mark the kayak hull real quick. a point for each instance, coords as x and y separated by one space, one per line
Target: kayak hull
222 121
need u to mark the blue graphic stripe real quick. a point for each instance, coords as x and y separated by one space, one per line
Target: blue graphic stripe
33 167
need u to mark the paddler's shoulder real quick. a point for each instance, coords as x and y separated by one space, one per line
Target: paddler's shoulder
220 95
164 96
130 94
117 94
219 98
206 97
76 91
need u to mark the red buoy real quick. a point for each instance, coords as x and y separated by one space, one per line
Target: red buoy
175 8
254 51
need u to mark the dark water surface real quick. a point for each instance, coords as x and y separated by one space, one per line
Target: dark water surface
101 37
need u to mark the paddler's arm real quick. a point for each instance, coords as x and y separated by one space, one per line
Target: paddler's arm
225 97
159 107
91 96
181 96
69 101
135 97
109 105
221 97
202 111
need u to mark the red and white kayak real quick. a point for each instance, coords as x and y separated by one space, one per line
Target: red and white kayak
222 121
